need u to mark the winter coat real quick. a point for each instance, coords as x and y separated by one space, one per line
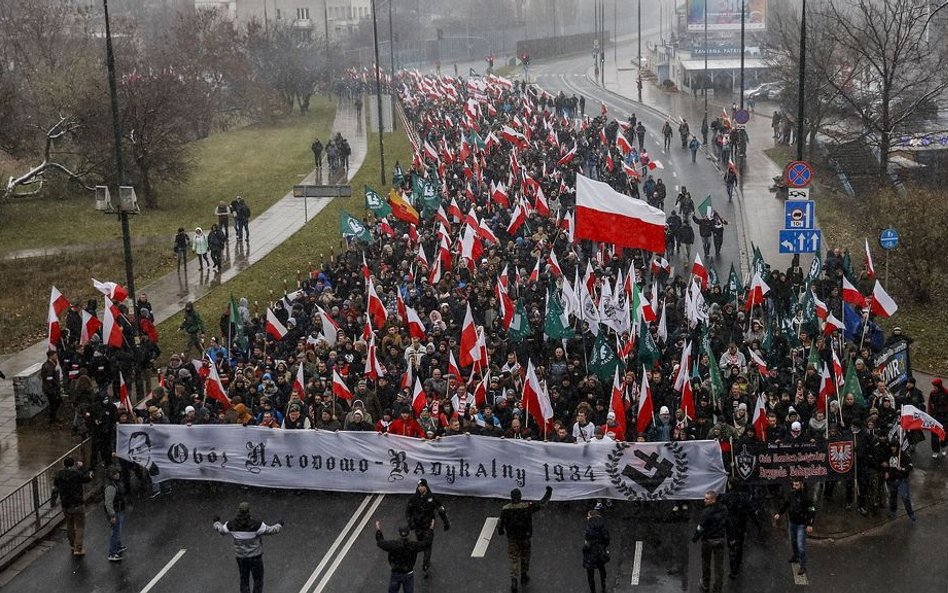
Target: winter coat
247 533
595 542
199 244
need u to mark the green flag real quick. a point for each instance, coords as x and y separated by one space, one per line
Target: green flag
398 176
556 324
376 203
814 357
816 268
648 353
476 140
851 385
786 326
603 360
848 265
352 228
237 323
519 324
717 385
732 291
713 279
705 209
758 264
810 324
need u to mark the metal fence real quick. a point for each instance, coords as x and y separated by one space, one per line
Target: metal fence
26 512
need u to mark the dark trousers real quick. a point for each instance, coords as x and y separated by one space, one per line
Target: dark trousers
712 553
518 555
55 401
251 567
403 581
735 549
421 534
937 444
591 578
216 257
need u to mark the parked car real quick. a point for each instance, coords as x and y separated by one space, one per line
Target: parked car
765 91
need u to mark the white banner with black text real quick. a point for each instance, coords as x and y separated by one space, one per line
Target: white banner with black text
460 465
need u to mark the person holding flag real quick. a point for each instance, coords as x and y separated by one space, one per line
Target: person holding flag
896 470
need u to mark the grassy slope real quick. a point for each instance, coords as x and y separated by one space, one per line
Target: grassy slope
843 227
297 253
259 162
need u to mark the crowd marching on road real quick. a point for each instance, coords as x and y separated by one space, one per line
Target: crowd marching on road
471 277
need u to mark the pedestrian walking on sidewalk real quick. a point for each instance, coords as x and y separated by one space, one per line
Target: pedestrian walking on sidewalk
596 548
420 513
801 513
516 521
241 218
317 148
402 555
694 145
223 218
216 241
712 531
248 533
182 244
114 503
67 489
200 247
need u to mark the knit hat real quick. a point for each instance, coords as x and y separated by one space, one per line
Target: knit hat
796 427
663 410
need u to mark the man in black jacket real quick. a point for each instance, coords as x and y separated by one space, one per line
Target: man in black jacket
801 513
712 531
67 488
402 555
516 521
420 514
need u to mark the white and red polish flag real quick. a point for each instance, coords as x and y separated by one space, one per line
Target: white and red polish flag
603 214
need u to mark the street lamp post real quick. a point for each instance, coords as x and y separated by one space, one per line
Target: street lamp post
378 94
802 83
120 179
705 85
391 46
638 83
743 13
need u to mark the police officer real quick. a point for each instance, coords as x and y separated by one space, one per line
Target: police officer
516 521
420 513
712 531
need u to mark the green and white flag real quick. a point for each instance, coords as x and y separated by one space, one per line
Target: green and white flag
816 268
717 384
519 324
556 325
851 385
705 209
648 353
353 229
398 176
758 264
376 203
732 291
603 360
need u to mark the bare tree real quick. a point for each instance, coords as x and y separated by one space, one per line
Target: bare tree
819 94
36 176
889 72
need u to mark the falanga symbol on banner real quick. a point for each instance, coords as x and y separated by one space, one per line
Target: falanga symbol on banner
745 463
647 476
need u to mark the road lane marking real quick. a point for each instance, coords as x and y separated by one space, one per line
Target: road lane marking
163 571
332 550
483 540
637 563
351 540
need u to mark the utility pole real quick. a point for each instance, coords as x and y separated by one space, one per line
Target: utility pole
743 16
326 33
802 83
638 83
378 94
705 85
391 46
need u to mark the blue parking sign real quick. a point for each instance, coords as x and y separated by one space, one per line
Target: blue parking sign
799 214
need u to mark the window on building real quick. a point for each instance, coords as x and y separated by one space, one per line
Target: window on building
302 14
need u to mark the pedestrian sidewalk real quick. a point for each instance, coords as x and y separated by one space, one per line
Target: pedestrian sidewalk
25 451
761 210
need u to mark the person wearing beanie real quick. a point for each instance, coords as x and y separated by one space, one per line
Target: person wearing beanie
516 521
402 556
248 532
420 513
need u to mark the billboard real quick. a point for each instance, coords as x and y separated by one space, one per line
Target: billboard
725 15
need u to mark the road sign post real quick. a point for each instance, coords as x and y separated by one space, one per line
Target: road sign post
889 240
798 174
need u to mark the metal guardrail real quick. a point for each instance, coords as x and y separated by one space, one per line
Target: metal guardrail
26 512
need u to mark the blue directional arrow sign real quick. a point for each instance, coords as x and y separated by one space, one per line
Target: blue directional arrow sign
800 241
799 214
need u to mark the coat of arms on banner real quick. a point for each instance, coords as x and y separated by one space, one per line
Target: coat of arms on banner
640 474
745 463
841 456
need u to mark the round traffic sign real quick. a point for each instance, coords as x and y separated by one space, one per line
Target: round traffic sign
798 174
742 116
889 239
797 214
